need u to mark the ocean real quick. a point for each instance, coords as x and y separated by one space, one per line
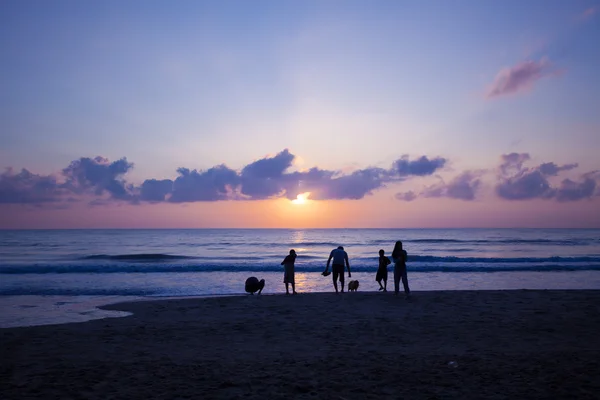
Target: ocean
55 276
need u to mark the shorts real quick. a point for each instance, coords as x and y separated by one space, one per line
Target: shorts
288 274
337 269
382 274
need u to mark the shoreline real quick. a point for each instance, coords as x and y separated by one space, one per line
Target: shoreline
443 344
55 308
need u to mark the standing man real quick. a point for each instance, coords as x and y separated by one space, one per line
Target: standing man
339 256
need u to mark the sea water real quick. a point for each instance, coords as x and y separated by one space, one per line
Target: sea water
53 276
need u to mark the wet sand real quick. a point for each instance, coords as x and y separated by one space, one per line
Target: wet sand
438 345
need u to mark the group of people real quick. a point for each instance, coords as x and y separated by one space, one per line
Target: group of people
340 262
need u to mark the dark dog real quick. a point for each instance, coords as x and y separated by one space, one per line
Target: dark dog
353 286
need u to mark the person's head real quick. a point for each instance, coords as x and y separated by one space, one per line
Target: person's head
340 247
292 252
397 249
381 252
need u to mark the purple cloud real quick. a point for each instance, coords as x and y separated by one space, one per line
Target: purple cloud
588 13
154 190
513 162
419 167
354 186
27 188
262 179
573 191
406 196
517 182
519 78
462 187
268 178
214 184
551 169
99 175
524 186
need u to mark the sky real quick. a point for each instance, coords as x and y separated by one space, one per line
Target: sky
299 114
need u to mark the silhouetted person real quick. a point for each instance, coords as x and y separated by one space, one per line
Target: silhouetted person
254 285
399 256
339 256
288 272
382 272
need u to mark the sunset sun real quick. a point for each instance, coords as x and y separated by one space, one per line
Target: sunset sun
302 198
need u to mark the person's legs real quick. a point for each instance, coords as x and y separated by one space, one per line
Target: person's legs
293 287
405 282
380 285
342 280
287 290
385 285
396 279
335 278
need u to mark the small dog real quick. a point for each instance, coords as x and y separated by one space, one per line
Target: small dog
353 286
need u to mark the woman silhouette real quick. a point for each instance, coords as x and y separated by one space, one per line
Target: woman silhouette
399 256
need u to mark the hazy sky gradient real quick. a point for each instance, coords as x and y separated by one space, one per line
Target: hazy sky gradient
348 87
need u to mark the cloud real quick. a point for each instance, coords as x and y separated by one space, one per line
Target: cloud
573 191
28 188
264 178
588 13
354 186
154 190
98 175
211 185
268 177
462 187
551 169
519 78
513 161
406 196
524 186
516 182
420 167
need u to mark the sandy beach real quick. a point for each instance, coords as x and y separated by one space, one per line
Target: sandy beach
437 345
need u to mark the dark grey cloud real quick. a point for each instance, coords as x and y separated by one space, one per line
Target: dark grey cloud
526 185
420 167
214 184
551 169
572 191
265 178
269 167
28 188
268 177
98 175
517 182
154 190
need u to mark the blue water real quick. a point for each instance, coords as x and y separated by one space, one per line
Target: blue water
86 264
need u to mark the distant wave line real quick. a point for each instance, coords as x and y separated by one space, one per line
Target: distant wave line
152 257
176 268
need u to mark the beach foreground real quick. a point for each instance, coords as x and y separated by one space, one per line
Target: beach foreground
460 344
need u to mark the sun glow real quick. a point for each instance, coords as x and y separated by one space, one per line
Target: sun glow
302 198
